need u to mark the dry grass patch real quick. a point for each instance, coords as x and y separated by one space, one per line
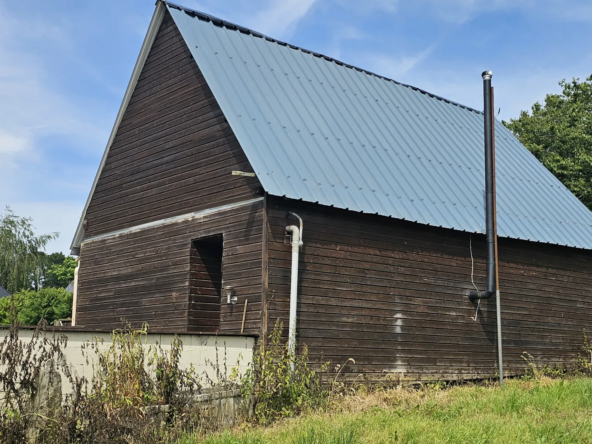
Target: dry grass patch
524 411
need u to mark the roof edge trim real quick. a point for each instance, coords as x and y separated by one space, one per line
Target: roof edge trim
155 23
221 22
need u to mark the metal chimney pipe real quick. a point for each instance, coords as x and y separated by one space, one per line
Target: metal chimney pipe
490 226
491 216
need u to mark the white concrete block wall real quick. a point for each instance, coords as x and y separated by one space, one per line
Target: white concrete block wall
198 350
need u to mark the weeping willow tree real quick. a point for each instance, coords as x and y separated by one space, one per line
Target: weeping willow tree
19 251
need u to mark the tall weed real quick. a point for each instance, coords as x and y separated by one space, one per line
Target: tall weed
137 394
281 383
29 379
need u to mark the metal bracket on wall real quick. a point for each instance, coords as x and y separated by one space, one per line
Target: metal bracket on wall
287 239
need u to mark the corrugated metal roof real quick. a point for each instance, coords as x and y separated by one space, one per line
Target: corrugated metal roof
321 131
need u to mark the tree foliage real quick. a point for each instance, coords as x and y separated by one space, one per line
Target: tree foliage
19 250
47 303
44 264
559 134
60 274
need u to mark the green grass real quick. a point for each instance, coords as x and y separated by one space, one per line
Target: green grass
548 411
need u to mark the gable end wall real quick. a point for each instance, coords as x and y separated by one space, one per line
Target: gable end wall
174 151
173 154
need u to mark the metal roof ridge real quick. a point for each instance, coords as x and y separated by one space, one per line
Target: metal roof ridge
229 25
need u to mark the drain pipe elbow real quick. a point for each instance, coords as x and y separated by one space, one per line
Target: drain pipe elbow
300 243
475 296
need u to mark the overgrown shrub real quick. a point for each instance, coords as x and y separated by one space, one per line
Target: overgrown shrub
581 367
281 383
136 395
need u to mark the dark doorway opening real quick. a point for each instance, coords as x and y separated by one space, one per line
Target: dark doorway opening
205 283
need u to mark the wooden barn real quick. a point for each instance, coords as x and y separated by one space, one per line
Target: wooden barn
224 132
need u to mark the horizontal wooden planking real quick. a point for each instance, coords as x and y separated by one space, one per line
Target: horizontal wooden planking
544 294
418 306
172 97
212 182
105 302
408 242
418 235
161 212
182 158
200 110
425 262
202 114
137 274
159 252
167 139
441 262
174 152
392 295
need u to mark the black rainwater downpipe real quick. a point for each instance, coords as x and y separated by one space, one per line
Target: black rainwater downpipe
490 226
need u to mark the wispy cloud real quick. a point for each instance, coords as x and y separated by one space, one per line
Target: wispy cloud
369 7
280 17
461 11
12 144
397 67
30 107
276 18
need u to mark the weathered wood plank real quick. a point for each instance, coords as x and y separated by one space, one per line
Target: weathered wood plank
392 295
170 141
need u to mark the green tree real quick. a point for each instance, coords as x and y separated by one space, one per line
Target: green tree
60 274
31 306
6 307
559 134
19 250
44 264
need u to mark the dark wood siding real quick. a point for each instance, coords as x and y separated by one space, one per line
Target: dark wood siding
144 275
393 295
174 151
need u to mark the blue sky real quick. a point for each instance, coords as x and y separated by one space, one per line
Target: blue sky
65 64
